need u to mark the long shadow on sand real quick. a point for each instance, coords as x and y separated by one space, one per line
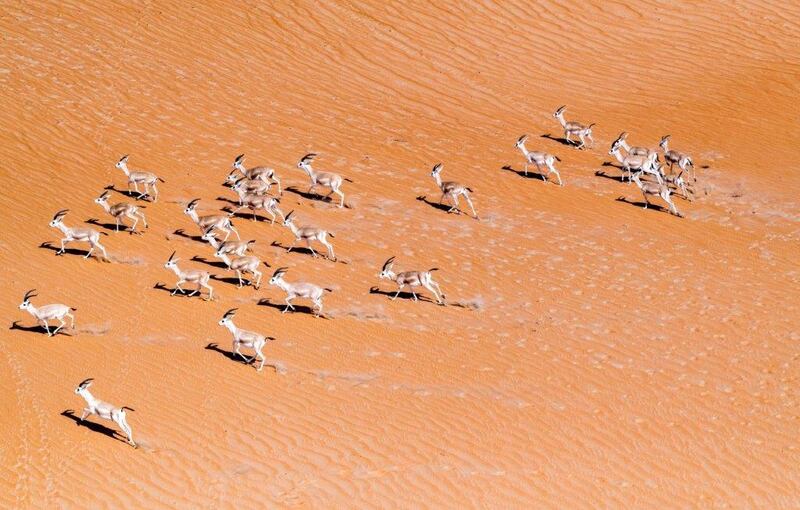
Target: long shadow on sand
200 294
559 139
436 205
212 263
332 199
616 178
521 173
95 427
69 251
228 200
112 227
38 329
130 194
282 306
402 295
657 207
182 233
247 216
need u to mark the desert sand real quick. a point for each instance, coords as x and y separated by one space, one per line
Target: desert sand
592 353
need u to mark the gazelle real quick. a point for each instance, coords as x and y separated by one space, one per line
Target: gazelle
622 140
256 202
121 210
672 157
412 279
678 182
192 276
242 264
259 172
211 221
147 179
540 159
298 290
630 163
244 187
244 338
104 409
233 247
657 189
574 128
309 234
452 190
88 235
45 313
327 179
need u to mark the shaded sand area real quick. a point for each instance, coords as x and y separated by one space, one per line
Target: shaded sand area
593 353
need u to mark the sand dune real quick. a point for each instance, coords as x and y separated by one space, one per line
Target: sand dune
593 353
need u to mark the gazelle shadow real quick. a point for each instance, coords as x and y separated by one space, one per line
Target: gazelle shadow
187 291
402 295
248 216
616 178
559 139
212 263
228 354
182 233
521 173
319 197
276 365
95 427
299 249
232 280
69 251
657 207
225 199
129 193
282 306
108 226
442 207
39 329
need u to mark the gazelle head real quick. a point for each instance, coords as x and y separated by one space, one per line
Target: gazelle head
520 141
277 276
209 236
238 163
83 386
386 271
233 176
305 161
622 137
26 300
103 198
614 147
664 141
289 218
123 162
220 254
191 206
172 261
560 111
437 169
228 317
59 216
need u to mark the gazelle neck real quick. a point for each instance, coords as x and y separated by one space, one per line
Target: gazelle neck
624 144
225 258
32 310
231 327
665 146
63 228
88 397
124 167
105 206
175 269
193 215
617 155
281 283
523 149
560 118
438 179
241 168
292 227
310 171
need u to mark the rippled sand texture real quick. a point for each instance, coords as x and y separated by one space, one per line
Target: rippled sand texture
595 354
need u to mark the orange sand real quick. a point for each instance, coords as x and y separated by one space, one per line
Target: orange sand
594 354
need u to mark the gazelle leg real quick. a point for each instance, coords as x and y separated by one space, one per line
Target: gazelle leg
646 201
525 170
469 201
318 303
567 138
590 138
261 356
155 193
178 287
270 213
257 274
308 242
455 207
63 242
239 275
46 327
278 182
341 202
209 288
91 249
414 294
61 320
86 412
292 246
116 223
583 141
539 169
288 304
236 232
399 288
331 254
